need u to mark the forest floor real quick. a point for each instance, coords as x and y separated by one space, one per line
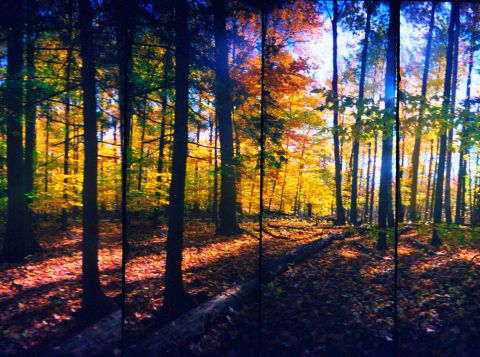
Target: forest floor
40 297
340 302
211 263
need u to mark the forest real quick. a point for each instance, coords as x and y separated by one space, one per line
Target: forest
213 177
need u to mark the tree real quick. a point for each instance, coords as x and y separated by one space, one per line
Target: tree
176 298
95 303
340 210
439 184
464 145
228 201
15 247
448 168
412 212
385 194
358 120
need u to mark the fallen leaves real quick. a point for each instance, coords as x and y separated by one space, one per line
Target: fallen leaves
38 299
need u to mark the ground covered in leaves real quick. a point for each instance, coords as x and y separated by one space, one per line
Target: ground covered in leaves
439 295
340 302
212 263
39 298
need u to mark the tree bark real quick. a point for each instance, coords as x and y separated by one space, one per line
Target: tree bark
385 194
438 204
340 210
448 208
30 129
358 121
228 196
66 101
15 245
94 303
412 212
176 298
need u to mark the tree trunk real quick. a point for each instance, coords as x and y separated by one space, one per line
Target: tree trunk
429 180
385 194
176 298
438 204
48 117
367 189
372 187
412 212
340 219
228 197
462 170
162 141
66 101
30 128
434 178
94 303
358 122
448 208
15 245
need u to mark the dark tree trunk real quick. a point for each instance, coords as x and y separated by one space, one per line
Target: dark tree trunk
176 298
162 141
340 219
94 303
448 207
48 117
372 187
66 101
358 121
367 189
238 174
284 182
462 171
30 128
412 212
228 197
124 32
215 176
385 194
438 204
143 123
434 179
15 245
429 180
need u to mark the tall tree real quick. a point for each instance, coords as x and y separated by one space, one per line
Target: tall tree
15 245
223 101
358 120
385 194
30 126
462 170
176 298
67 104
94 302
438 198
340 210
448 168
412 212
